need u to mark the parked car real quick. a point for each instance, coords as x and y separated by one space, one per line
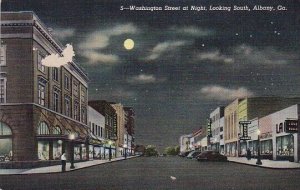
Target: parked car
211 156
184 154
193 154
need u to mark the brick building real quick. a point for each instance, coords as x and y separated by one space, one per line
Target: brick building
41 107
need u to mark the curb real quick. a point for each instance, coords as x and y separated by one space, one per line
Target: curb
75 169
262 166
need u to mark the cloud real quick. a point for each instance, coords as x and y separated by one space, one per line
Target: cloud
55 60
100 39
267 55
164 47
215 92
122 93
98 57
215 56
97 41
63 33
142 79
194 31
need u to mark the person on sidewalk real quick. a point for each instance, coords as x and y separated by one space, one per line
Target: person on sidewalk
248 154
63 162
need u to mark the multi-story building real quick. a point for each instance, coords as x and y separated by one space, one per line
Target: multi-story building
121 131
130 125
110 115
215 118
40 106
96 122
231 128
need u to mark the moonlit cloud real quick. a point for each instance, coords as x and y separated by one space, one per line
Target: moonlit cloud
98 57
215 56
194 31
99 40
142 79
63 33
215 92
266 55
164 47
55 60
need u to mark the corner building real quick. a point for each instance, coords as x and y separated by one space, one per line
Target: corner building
40 107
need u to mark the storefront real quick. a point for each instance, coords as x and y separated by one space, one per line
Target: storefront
230 149
266 148
243 148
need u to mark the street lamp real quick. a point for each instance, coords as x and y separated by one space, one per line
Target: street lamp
258 162
110 143
72 137
125 151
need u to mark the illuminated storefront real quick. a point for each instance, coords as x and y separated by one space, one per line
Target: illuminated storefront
6 153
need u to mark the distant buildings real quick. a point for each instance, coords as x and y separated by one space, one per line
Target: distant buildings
44 110
274 119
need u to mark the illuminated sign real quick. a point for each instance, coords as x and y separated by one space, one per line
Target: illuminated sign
209 134
291 126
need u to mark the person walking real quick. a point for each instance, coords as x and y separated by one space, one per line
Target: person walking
248 154
63 162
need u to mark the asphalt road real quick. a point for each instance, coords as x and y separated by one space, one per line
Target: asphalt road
147 173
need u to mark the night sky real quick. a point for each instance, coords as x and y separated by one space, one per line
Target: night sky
184 63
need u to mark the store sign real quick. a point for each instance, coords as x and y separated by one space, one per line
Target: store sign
245 138
209 133
291 126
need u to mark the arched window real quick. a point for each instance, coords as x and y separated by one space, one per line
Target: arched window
6 153
43 129
57 130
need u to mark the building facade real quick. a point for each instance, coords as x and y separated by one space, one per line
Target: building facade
216 128
130 126
121 131
40 106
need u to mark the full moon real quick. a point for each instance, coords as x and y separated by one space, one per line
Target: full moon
128 44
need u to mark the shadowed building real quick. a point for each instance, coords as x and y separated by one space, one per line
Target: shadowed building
40 106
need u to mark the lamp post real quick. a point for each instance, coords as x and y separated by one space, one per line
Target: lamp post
258 162
72 137
110 142
125 151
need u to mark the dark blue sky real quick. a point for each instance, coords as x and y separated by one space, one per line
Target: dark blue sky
184 63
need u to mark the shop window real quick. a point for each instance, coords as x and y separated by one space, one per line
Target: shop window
43 129
266 147
5 143
57 149
57 130
285 145
43 150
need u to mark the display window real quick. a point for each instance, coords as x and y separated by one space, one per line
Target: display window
285 145
43 150
6 153
266 147
57 150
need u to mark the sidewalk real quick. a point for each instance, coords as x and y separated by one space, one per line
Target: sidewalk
57 168
266 163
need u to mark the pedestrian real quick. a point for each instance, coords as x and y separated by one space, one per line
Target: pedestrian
63 162
248 154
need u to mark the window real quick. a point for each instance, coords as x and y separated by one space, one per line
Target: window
82 95
67 106
285 145
101 134
83 115
221 136
43 129
93 128
221 129
3 55
76 110
57 130
2 90
6 153
41 94
56 99
67 82
41 67
75 91
55 73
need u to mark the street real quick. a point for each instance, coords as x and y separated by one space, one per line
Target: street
155 173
